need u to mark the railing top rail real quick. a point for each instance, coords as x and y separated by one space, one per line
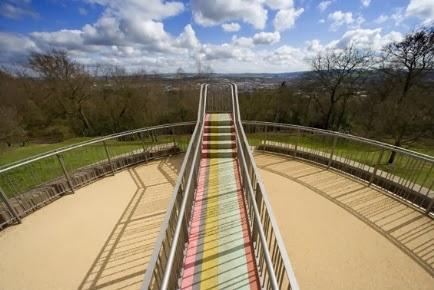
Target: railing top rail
153 260
345 136
50 153
288 267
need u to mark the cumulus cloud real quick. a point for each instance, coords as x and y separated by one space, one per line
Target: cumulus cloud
17 10
423 9
209 13
339 18
65 39
254 12
149 9
365 39
322 6
188 39
365 3
14 48
279 4
120 37
231 27
266 38
381 19
285 18
260 38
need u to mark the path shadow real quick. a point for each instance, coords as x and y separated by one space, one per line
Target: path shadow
123 259
410 230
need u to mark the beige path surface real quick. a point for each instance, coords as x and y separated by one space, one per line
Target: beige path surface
341 234
99 238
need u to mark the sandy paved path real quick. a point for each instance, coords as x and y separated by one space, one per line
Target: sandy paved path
100 237
331 248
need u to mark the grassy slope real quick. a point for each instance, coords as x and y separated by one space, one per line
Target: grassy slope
28 176
15 153
404 167
44 170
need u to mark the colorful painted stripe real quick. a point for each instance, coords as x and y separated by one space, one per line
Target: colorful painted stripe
220 251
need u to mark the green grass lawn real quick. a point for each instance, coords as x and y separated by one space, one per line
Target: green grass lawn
39 172
403 166
42 171
15 153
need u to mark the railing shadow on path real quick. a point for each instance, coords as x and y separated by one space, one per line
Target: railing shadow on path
410 230
123 259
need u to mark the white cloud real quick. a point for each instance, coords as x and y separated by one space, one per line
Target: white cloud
266 38
65 39
365 3
149 9
231 27
188 39
254 12
398 16
339 18
423 9
285 18
139 40
242 41
322 6
17 10
381 19
13 43
366 39
209 13
279 4
15 48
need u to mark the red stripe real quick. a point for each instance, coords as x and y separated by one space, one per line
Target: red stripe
189 263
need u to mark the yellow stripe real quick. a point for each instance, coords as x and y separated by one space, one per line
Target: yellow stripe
209 271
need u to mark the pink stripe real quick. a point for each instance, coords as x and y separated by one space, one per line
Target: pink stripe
189 263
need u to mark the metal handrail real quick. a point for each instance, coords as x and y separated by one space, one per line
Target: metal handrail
247 181
89 142
414 186
33 182
380 144
179 224
243 143
180 188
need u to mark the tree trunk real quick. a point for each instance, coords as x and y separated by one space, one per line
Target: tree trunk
86 122
397 143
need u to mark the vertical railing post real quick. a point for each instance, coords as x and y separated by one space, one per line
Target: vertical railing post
65 172
431 204
296 143
108 157
374 173
9 206
266 134
144 147
335 139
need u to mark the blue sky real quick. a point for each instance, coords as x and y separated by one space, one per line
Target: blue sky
224 35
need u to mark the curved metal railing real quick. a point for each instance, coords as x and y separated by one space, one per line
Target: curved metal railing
33 182
407 175
275 269
167 257
165 266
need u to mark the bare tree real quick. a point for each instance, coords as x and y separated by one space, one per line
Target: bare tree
68 83
339 75
406 64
